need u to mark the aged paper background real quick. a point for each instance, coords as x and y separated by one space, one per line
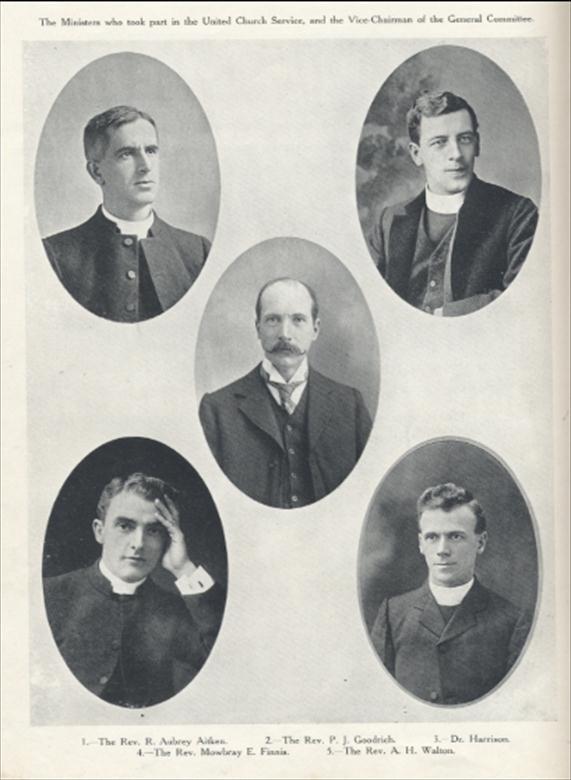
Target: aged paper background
286 105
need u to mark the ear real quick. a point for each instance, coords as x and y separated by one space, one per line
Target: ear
258 328
477 152
415 153
316 327
94 171
97 527
482 542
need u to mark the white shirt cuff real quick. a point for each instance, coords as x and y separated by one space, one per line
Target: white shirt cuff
198 582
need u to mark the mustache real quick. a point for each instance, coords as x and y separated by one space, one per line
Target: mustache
284 346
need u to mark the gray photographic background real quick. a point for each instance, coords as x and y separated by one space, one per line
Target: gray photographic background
189 188
346 348
509 150
390 561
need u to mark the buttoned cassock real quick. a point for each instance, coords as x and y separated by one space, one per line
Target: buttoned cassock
454 662
243 433
166 637
101 267
493 236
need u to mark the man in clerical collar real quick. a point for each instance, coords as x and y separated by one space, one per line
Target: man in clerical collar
127 640
125 263
285 434
452 640
460 243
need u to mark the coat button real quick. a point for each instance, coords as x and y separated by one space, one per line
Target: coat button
291 451
103 680
428 309
127 241
295 499
289 428
432 283
433 696
115 644
130 307
131 275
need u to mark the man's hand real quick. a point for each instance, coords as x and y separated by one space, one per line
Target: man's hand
176 558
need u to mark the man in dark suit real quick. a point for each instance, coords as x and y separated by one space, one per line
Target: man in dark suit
462 241
452 640
125 263
127 640
285 434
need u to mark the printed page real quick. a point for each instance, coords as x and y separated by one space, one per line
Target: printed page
285 410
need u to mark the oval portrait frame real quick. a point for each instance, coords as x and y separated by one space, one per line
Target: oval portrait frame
188 197
71 554
390 563
346 350
387 178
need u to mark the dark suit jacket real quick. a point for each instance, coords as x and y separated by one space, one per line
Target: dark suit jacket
93 261
244 436
493 236
453 663
172 635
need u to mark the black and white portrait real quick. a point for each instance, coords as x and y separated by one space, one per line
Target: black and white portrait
448 572
448 181
287 372
127 187
134 573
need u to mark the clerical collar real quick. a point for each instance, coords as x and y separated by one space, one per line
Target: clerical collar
273 375
117 584
444 204
450 597
139 228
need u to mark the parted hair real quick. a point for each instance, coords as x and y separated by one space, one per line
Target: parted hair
96 133
147 487
430 104
447 497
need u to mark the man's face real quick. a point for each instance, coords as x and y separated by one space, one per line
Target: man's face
286 328
447 149
128 172
450 545
133 540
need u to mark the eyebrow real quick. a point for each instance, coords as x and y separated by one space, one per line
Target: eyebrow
134 148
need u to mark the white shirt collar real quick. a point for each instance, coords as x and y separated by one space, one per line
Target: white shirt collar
450 597
274 375
117 584
139 228
444 204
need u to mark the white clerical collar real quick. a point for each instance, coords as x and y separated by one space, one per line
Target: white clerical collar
450 597
444 204
118 585
139 227
275 376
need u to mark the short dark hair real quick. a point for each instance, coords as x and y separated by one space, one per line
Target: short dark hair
147 487
96 133
447 497
312 295
430 104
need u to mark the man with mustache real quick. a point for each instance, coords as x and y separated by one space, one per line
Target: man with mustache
127 640
452 640
285 434
460 243
125 263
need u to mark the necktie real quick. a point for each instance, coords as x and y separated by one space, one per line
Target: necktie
285 391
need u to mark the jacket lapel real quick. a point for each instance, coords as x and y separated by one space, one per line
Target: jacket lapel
430 616
465 616
170 276
470 233
402 243
254 401
319 410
